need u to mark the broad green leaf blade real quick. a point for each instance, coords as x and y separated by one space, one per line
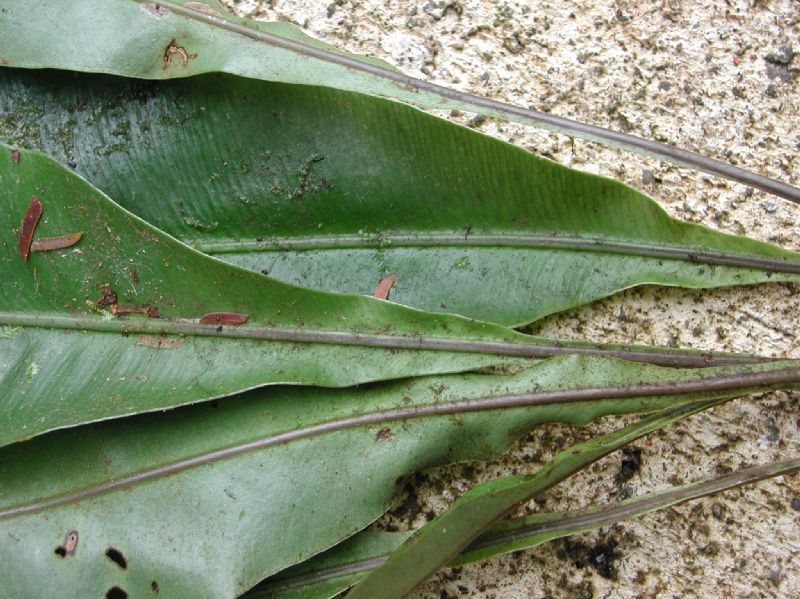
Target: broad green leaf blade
209 499
439 542
159 40
66 356
334 190
339 568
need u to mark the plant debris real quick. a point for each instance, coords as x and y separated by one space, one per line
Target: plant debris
127 309
45 244
385 286
229 318
29 222
108 297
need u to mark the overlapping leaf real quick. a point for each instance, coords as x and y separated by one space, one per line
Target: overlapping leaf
334 190
160 40
80 341
302 182
207 500
442 539
334 571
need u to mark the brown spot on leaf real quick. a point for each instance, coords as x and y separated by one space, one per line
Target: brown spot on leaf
69 546
383 288
159 342
384 434
15 156
45 244
174 49
107 298
29 222
230 318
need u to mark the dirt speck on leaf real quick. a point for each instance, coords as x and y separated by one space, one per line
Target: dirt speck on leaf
159 342
384 434
108 297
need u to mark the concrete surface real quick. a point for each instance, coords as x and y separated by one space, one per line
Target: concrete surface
716 77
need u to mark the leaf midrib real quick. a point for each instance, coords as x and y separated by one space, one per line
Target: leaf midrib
387 241
532 347
715 384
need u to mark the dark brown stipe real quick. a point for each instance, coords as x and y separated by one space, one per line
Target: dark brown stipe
228 318
718 384
385 286
493 107
46 244
29 222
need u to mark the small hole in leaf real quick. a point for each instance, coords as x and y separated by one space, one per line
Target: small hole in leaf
115 555
60 551
154 586
116 593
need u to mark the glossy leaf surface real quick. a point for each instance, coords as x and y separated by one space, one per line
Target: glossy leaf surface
115 324
335 190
